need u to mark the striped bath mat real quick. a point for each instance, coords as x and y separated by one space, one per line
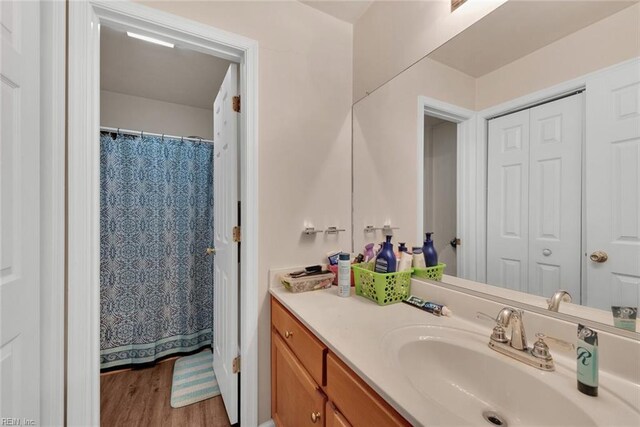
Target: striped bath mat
193 379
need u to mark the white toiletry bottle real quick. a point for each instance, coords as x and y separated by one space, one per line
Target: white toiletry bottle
344 275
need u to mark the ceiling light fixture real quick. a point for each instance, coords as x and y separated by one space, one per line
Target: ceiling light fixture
149 39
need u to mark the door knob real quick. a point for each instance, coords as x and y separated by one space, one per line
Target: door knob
599 256
315 416
546 252
210 251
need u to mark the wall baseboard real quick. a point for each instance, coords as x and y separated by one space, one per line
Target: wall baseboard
269 423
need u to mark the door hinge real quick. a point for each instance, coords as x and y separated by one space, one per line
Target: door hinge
236 365
237 236
236 104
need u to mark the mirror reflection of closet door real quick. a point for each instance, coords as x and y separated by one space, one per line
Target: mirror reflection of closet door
613 188
508 201
555 206
534 198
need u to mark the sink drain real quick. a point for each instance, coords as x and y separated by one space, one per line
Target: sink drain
494 419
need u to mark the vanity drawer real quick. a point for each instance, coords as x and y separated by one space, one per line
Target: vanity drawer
307 348
356 400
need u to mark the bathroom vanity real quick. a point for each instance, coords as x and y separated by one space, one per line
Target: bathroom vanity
309 382
348 361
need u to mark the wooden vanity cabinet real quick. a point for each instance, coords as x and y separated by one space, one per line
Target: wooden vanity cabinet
310 386
296 399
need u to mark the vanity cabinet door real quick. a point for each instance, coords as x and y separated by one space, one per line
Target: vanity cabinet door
334 417
362 406
296 400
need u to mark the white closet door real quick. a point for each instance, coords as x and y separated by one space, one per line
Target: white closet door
555 199
508 201
613 187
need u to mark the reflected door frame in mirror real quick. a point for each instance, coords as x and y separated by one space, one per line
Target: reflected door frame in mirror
465 210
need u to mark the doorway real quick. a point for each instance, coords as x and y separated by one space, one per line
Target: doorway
85 20
440 195
445 183
160 105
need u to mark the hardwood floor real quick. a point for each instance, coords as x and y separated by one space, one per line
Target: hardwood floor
142 398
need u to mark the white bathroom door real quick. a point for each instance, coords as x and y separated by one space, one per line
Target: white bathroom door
613 187
19 217
508 201
225 202
555 197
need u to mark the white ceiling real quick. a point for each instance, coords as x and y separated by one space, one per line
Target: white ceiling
345 10
178 75
517 29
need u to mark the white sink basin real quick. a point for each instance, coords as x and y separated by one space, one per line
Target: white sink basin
475 385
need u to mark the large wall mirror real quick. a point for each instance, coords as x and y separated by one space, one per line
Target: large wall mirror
518 144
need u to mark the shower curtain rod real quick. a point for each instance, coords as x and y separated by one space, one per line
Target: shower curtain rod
140 133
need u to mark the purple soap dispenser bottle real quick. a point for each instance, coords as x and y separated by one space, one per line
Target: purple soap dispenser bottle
386 259
430 254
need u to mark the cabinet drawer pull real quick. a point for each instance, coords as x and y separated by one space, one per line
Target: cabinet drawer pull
288 334
315 416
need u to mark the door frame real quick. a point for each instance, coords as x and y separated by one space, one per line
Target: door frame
83 279
52 204
465 208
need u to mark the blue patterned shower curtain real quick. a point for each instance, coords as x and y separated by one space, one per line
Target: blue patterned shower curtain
156 221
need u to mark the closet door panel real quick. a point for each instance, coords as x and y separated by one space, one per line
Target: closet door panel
613 187
555 196
508 201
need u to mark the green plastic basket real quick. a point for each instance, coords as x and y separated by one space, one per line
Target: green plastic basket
431 273
384 289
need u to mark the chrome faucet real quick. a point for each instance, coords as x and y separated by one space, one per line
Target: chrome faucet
559 296
510 318
516 346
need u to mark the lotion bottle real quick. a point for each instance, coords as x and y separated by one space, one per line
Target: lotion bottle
587 359
386 259
418 257
344 275
430 254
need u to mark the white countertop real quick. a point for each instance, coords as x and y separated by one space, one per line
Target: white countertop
353 329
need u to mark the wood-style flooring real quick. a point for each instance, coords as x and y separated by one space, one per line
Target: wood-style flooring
142 398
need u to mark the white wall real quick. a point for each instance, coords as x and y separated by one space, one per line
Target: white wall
602 44
305 74
385 140
391 36
149 115
440 170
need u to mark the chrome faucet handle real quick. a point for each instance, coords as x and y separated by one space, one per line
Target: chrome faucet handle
540 348
555 343
498 334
